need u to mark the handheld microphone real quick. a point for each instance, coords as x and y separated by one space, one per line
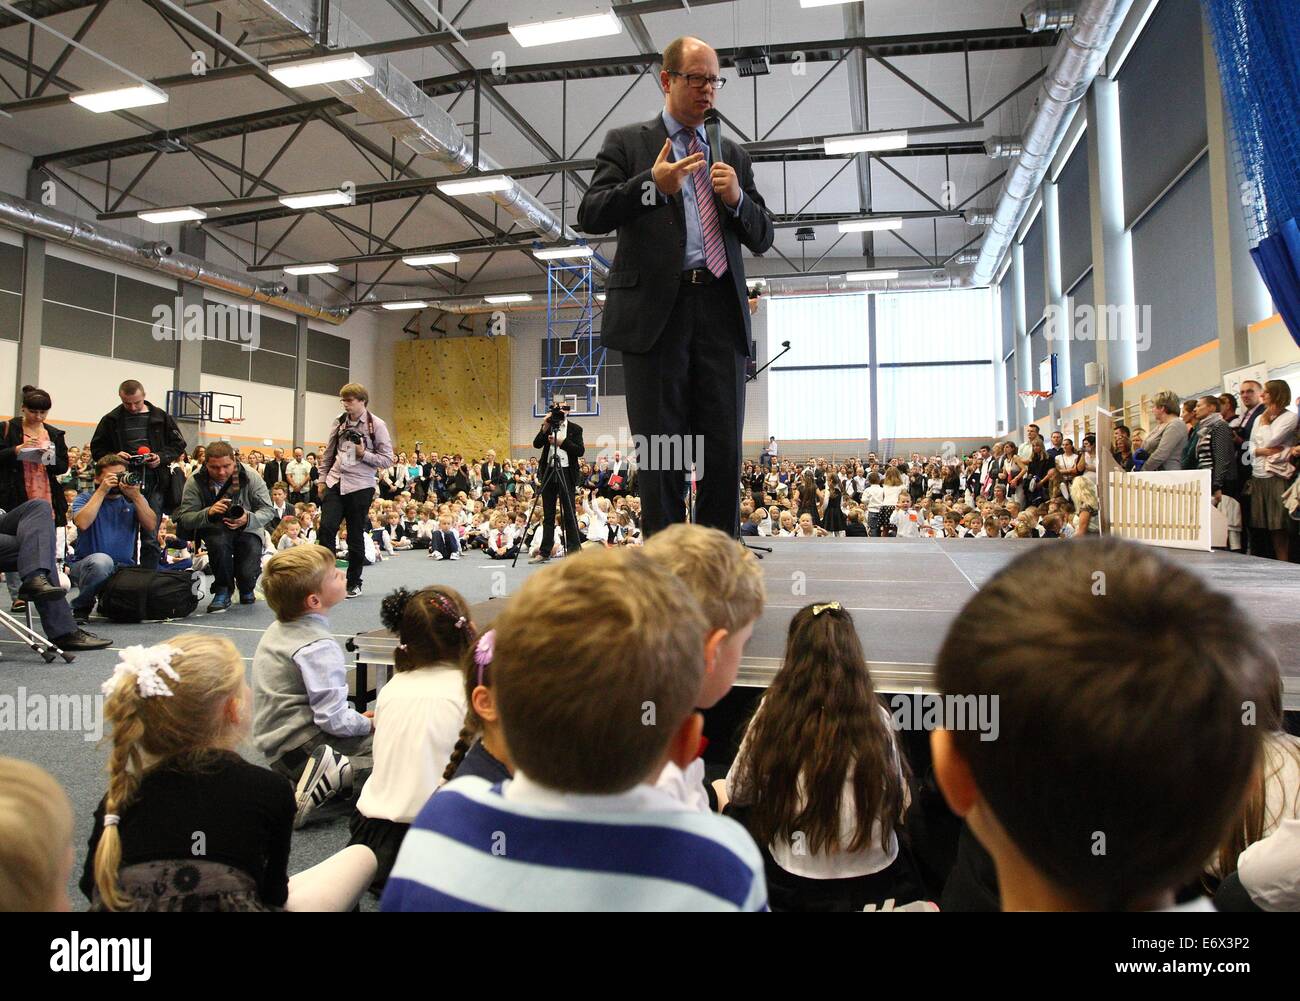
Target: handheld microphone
713 129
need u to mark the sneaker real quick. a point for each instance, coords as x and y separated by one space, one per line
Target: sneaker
322 780
247 598
354 591
220 602
80 640
455 556
434 554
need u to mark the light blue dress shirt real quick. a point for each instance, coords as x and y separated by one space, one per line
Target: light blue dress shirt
694 237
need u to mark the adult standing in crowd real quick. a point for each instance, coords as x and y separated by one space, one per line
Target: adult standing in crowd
226 506
1164 445
136 427
297 474
677 307
1215 450
1271 439
1242 426
359 446
561 447
275 470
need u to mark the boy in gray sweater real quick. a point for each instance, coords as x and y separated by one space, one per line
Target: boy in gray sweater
301 718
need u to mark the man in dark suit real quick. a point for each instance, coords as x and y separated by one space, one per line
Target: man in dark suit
561 445
677 306
494 479
275 470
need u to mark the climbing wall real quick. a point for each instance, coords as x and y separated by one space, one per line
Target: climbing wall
453 393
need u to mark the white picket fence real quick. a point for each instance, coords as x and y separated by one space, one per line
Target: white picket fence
1164 509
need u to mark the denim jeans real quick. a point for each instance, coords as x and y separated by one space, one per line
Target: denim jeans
234 558
89 574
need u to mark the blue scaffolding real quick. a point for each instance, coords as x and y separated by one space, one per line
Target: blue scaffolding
572 357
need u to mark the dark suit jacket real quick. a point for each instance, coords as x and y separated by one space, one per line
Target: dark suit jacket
572 444
273 473
493 476
644 281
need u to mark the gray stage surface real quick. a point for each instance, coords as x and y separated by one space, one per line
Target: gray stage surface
903 595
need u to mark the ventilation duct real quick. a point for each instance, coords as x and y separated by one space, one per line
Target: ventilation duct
154 255
1075 63
388 98
1048 15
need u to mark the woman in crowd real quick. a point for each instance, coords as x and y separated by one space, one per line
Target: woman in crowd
33 455
1271 440
1036 469
1067 467
809 501
1164 446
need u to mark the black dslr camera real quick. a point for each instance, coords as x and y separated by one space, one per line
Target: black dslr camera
234 513
352 437
134 474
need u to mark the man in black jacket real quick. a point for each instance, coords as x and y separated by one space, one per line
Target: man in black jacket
275 470
137 427
562 446
678 307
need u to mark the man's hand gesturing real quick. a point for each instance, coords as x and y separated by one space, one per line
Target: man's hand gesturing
669 176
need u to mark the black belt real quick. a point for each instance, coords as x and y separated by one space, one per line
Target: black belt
698 276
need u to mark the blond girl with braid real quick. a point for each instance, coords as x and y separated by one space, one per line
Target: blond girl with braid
417 716
187 824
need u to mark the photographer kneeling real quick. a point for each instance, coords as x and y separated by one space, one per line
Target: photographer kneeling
108 519
226 506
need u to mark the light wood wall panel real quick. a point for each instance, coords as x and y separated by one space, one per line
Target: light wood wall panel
453 393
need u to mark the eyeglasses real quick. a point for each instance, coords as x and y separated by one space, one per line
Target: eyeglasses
698 81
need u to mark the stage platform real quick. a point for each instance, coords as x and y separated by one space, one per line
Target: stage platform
903 595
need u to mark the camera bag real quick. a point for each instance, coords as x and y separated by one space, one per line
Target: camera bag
137 594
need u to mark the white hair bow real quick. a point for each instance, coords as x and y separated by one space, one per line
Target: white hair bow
146 663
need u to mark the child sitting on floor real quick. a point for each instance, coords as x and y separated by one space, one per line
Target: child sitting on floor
418 716
178 712
1115 775
481 748
588 732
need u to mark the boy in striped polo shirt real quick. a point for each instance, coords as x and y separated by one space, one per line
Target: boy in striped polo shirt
596 670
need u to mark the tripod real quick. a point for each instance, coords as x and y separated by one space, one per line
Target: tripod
565 497
38 643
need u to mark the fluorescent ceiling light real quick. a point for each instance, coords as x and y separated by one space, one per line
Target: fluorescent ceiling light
328 69
871 225
135 96
558 253
567 29
426 260
865 143
407 304
513 297
310 269
476 185
870 276
822 3
315 199
160 216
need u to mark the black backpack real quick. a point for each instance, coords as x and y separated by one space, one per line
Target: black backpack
134 594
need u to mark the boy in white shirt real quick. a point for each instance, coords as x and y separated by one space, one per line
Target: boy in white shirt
906 519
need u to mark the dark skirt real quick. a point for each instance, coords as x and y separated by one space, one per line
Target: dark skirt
383 837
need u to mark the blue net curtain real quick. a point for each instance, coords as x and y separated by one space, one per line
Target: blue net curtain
1257 43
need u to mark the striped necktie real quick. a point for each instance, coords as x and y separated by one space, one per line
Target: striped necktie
715 250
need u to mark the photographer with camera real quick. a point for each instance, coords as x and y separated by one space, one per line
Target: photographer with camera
561 443
109 519
148 440
359 446
226 506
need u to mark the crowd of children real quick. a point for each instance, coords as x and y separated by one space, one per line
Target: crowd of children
555 760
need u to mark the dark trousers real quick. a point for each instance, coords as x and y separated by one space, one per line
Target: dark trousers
27 546
550 495
235 558
354 508
690 388
150 551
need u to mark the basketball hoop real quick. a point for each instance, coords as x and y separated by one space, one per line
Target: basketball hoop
1028 396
